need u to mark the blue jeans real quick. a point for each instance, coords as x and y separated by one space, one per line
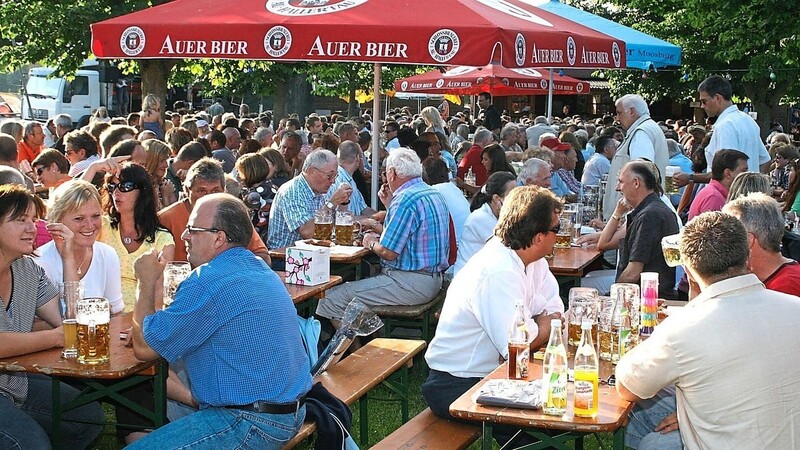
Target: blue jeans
644 419
28 426
216 428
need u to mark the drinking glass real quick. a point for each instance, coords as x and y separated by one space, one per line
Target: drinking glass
174 274
670 245
70 292
346 227
93 317
584 304
323 224
668 182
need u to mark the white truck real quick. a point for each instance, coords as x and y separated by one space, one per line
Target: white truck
91 87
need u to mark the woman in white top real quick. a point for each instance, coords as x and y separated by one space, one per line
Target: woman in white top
75 220
485 208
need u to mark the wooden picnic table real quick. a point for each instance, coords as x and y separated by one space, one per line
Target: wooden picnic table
611 417
341 259
305 297
572 262
122 371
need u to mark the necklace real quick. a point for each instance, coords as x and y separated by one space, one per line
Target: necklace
84 261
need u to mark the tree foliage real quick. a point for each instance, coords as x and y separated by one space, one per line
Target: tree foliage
748 42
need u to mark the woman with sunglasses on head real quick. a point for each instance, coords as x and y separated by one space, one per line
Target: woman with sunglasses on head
131 226
75 220
27 293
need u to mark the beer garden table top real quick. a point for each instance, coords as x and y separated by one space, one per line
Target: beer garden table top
301 293
573 261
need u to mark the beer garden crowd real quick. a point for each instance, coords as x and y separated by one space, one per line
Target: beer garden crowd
127 194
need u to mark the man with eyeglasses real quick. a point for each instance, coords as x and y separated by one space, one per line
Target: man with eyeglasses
204 177
733 129
80 150
292 215
232 323
472 335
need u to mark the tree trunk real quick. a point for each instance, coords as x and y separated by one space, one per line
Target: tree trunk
300 99
280 98
352 106
155 73
765 99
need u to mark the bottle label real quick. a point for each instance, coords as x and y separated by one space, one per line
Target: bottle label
518 357
584 395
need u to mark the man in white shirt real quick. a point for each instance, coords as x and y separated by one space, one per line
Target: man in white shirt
735 378
733 130
600 162
472 336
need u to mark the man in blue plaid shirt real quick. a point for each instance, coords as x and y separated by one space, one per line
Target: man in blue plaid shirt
413 243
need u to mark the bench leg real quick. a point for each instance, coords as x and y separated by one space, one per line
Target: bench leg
619 439
398 383
56 426
363 427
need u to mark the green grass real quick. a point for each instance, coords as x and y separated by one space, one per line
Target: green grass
384 417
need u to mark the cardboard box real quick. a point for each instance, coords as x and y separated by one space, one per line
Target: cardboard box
308 266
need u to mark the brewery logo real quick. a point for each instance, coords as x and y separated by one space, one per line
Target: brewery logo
519 49
505 81
616 54
513 10
277 41
543 84
439 83
310 7
443 45
579 88
404 85
571 51
132 41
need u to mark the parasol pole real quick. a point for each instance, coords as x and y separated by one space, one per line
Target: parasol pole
376 136
550 99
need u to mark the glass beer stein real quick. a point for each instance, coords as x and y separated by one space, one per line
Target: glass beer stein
346 228
323 224
174 274
93 315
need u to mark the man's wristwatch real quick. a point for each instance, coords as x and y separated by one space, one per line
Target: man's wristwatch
691 178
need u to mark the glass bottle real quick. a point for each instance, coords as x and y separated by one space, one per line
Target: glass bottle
518 345
585 401
554 373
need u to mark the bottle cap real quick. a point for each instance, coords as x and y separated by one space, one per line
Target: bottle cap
586 324
555 323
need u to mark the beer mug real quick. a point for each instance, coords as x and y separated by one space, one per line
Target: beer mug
174 274
670 245
93 317
584 304
344 228
70 292
668 182
564 235
323 224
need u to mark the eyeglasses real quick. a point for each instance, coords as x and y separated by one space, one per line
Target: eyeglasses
556 228
389 130
39 170
123 186
192 229
330 176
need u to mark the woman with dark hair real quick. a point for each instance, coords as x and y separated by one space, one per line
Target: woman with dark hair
279 170
26 293
130 224
485 209
257 190
792 199
494 160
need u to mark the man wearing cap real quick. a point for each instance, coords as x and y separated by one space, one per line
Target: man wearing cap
558 186
202 128
643 140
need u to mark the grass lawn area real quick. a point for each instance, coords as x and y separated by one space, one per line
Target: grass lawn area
384 417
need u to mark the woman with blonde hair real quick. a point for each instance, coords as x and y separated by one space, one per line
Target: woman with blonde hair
433 120
150 118
156 165
75 219
747 182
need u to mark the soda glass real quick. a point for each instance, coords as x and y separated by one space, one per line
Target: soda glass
174 274
70 292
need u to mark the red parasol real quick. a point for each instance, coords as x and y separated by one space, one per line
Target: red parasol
451 32
493 78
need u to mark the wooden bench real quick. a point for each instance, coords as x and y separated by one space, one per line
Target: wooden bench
427 431
381 361
420 317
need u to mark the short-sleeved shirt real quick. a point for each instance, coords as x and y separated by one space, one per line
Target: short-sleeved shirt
735 374
111 237
647 224
101 279
233 323
31 289
175 217
597 166
357 203
786 279
294 204
710 198
736 130
417 228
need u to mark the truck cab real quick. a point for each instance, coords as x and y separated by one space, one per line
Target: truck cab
46 96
